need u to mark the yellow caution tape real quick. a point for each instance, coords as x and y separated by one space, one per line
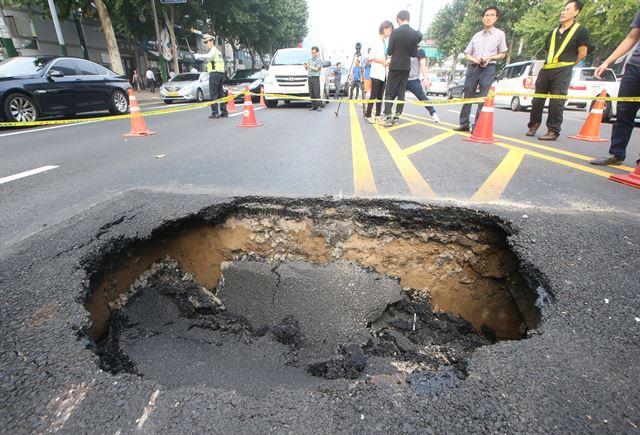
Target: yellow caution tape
301 98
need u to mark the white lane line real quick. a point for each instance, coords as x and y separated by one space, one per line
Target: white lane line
27 173
454 111
36 130
166 106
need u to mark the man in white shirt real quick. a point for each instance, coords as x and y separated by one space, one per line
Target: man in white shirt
150 80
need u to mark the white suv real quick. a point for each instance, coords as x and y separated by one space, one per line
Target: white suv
287 75
517 77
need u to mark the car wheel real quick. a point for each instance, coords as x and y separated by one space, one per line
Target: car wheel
200 96
20 108
119 103
515 104
271 104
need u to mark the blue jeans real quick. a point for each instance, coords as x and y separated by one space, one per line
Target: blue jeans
476 77
415 87
623 127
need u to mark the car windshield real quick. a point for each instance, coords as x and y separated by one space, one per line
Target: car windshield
22 66
191 77
589 76
291 57
252 74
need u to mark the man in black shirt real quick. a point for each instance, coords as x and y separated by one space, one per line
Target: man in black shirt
403 45
566 46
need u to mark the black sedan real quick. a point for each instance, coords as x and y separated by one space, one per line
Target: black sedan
456 89
243 78
36 87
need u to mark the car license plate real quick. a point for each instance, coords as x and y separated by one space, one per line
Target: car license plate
173 94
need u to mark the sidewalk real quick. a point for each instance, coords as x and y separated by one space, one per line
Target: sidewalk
142 96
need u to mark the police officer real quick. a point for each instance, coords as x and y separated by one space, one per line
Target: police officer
566 46
215 68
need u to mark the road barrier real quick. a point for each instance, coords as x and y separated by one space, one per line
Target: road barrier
591 129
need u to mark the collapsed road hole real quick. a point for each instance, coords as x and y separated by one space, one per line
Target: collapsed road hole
266 295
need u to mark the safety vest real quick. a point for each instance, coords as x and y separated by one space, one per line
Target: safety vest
217 64
553 61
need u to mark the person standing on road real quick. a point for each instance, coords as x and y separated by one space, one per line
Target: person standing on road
416 86
151 80
215 68
403 45
314 67
485 48
629 87
337 80
378 61
566 46
356 84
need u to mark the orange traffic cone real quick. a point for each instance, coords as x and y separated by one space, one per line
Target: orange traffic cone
591 128
262 103
138 126
632 179
248 116
231 104
483 131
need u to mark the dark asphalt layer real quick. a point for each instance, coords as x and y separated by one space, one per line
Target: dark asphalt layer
295 153
578 373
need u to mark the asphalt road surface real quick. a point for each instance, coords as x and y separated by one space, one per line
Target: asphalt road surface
72 195
301 153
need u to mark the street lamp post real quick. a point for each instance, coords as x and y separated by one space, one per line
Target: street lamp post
5 36
163 67
56 24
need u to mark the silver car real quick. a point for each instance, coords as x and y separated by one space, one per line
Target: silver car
186 86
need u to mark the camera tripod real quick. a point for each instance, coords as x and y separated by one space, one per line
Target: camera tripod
349 75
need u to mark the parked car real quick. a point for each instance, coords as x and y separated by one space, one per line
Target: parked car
243 78
519 77
437 86
287 75
456 88
186 87
343 81
36 87
585 83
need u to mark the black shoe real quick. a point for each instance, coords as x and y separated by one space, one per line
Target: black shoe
224 115
214 116
605 161
312 108
462 128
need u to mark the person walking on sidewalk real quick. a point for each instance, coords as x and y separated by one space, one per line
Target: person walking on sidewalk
137 82
378 72
314 67
485 48
416 86
151 80
566 46
629 87
215 68
403 45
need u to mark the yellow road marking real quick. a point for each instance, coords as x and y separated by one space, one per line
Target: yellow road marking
531 144
533 153
417 184
363 181
494 186
403 125
427 143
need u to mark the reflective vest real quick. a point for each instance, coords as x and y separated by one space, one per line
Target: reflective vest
553 57
217 64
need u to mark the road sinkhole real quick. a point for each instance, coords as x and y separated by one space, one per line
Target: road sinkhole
266 295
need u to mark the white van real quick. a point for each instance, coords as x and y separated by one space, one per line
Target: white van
286 75
517 77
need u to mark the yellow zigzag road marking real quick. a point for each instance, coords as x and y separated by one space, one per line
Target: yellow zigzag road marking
363 181
427 143
494 186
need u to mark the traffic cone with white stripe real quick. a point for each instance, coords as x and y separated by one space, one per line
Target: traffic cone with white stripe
591 128
138 126
483 130
262 103
632 179
248 115
231 104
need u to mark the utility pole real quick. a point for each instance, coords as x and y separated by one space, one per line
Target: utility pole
56 24
421 12
163 66
5 36
81 38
